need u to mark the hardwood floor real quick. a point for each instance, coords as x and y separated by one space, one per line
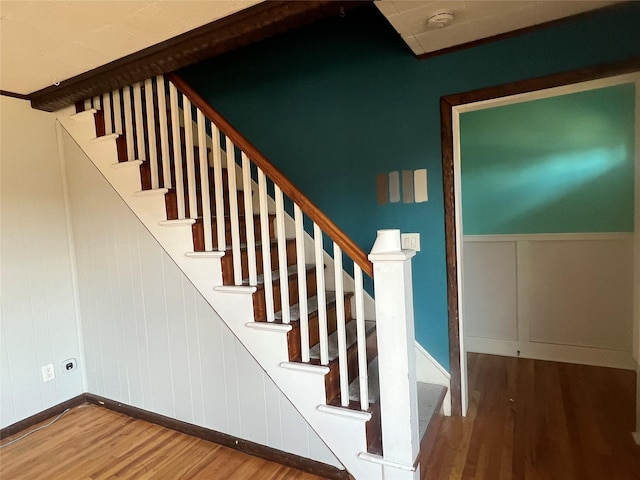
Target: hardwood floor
528 420
535 420
91 442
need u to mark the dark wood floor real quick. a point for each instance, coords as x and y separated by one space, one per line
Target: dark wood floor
92 442
536 420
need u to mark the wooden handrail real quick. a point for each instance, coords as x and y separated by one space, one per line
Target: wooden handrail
306 205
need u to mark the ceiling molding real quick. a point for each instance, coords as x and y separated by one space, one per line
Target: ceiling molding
6 93
242 28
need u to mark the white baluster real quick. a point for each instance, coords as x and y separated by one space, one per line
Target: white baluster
128 123
248 214
151 134
117 113
164 132
363 374
177 150
87 104
342 329
321 296
106 105
137 114
233 212
266 246
282 256
191 169
204 182
302 284
97 103
218 188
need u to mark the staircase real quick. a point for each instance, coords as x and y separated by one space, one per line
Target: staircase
254 246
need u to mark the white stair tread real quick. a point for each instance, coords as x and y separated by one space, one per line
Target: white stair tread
312 307
352 337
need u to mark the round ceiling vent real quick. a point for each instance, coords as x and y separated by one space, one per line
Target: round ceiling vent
440 18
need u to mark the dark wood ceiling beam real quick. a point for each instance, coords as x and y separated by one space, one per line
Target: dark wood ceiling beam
242 28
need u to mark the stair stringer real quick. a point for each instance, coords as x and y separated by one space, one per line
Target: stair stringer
342 430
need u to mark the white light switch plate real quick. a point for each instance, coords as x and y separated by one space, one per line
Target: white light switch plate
411 241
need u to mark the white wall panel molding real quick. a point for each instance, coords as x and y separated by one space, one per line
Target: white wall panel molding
553 297
542 237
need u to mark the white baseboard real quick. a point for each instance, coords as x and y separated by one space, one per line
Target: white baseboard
552 352
428 370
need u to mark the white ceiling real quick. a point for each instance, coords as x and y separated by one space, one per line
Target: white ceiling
46 41
473 19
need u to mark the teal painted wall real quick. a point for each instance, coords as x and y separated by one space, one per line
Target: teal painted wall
556 165
339 101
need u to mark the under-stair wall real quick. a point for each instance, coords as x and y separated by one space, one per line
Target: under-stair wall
153 342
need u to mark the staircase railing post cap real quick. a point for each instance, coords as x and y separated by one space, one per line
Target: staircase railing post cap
387 241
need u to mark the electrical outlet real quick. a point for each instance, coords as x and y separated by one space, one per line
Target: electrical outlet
411 241
69 365
48 373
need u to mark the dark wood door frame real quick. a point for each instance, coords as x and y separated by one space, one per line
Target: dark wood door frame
447 104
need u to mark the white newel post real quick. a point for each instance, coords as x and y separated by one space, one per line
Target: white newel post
396 355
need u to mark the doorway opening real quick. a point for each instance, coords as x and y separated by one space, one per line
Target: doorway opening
451 108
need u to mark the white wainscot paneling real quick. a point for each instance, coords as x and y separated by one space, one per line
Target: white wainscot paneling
489 290
581 293
560 297
153 341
